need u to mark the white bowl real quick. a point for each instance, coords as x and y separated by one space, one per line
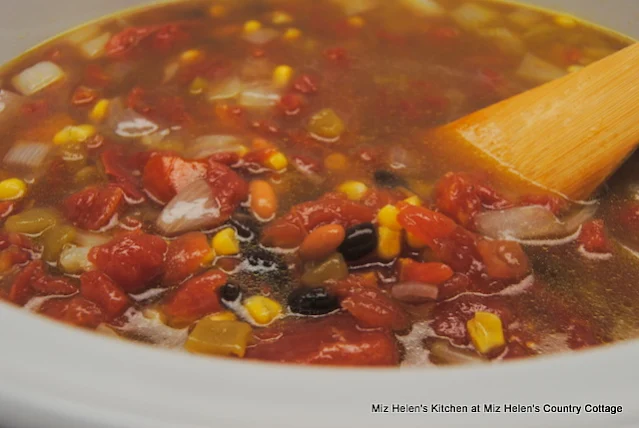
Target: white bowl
58 377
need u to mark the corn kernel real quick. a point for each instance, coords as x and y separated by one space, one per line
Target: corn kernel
223 316
292 34
389 243
99 111
277 161
74 134
565 21
387 217
354 190
252 26
414 242
262 309
280 17
217 11
198 85
242 151
219 338
486 332
282 75
414 200
12 188
225 242
356 21
190 55
336 162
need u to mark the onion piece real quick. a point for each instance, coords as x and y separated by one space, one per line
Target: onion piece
472 16
75 260
94 48
261 36
90 239
226 89
529 222
128 123
444 352
27 154
170 71
10 104
504 39
83 34
537 70
194 207
415 292
259 95
208 145
37 77
425 7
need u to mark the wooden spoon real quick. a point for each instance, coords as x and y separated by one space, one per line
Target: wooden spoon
567 135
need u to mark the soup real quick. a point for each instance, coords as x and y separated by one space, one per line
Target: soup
252 181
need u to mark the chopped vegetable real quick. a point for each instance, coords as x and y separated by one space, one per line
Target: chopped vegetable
326 125
473 16
260 36
12 189
219 337
425 7
354 190
99 111
95 48
387 217
74 260
443 352
537 70
193 208
317 273
37 77
55 240
259 95
74 134
486 332
225 90
282 76
389 243
262 309
225 242
127 123
33 221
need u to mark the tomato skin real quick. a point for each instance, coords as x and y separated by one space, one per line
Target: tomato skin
21 290
229 188
116 168
593 237
132 260
33 280
94 207
504 259
629 218
372 308
331 340
77 311
165 175
428 273
100 289
122 43
185 257
425 224
195 298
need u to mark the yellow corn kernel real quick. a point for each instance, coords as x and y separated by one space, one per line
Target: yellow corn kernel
190 55
354 190
222 316
356 21
387 217
336 162
277 161
262 309
242 151
99 111
414 200
486 332
282 75
565 21
74 134
154 315
217 11
12 189
198 85
414 242
219 337
252 26
389 243
292 34
225 242
280 17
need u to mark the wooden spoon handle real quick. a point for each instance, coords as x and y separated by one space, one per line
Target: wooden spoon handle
567 135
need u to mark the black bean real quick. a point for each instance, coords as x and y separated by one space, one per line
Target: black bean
312 301
230 292
389 179
360 240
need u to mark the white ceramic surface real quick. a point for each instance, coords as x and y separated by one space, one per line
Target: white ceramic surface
57 377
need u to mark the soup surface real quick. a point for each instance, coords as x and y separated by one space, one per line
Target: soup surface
251 179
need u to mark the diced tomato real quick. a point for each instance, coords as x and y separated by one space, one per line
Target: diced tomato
337 55
185 256
132 260
256 159
13 256
290 104
101 290
503 259
230 116
165 175
341 288
289 230
379 198
122 43
461 196
36 109
425 224
33 280
459 251
168 37
629 218
115 167
225 158
332 340
77 311
195 298
21 290
96 77
228 187
305 84
429 273
457 284
46 285
94 207
83 96
372 308
158 106
593 237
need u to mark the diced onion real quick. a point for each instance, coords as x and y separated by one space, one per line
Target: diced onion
415 292
195 207
473 16
425 7
443 352
10 104
83 34
128 123
537 70
75 260
228 88
261 36
170 70
529 222
90 239
27 154
94 48
505 40
37 77
208 145
259 95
